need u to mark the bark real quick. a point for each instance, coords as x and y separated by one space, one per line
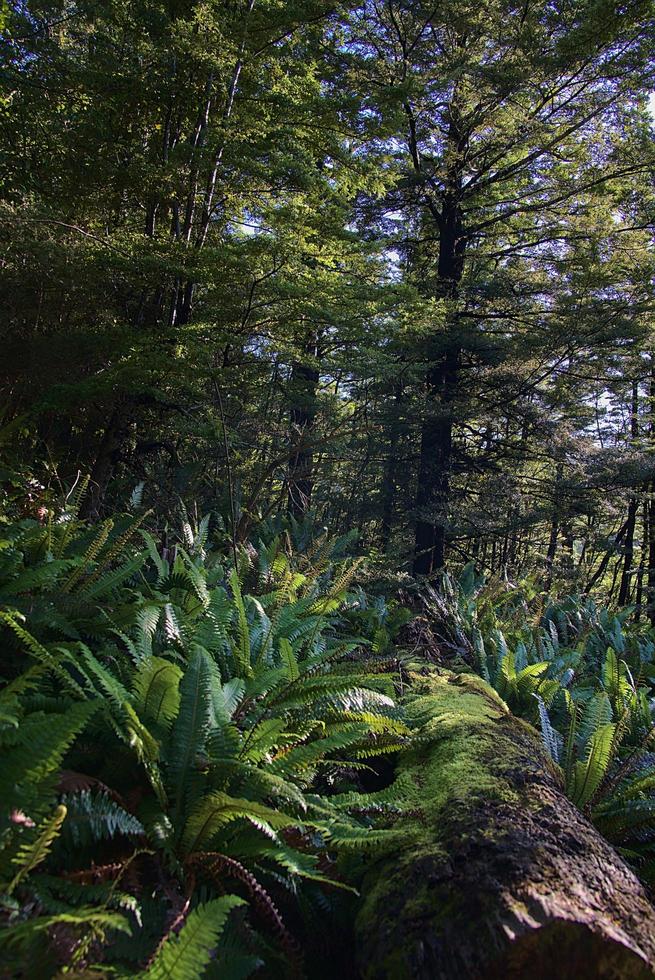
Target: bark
436 448
300 477
639 598
494 873
651 556
109 451
389 483
435 462
650 544
628 556
600 571
629 552
554 529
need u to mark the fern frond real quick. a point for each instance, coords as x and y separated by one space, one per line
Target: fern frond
241 648
100 920
156 690
192 725
588 775
30 854
217 809
90 555
43 742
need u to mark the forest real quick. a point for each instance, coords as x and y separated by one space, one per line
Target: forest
327 489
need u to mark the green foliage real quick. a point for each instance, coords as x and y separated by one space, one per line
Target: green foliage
186 955
581 674
182 721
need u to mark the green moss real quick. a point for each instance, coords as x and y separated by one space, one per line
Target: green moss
458 717
464 755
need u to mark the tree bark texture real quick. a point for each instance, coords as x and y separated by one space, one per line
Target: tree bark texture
493 872
302 393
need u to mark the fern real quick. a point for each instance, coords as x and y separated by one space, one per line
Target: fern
215 810
156 691
90 555
31 854
589 774
184 957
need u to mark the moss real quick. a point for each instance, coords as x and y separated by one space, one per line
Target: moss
464 758
457 740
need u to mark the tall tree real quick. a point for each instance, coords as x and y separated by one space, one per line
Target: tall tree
512 120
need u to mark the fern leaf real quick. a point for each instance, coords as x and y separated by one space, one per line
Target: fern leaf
156 690
288 658
31 854
552 739
217 809
192 725
90 556
588 775
242 647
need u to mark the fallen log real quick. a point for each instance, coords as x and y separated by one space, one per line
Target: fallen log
495 874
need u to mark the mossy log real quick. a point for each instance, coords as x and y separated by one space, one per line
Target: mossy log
495 874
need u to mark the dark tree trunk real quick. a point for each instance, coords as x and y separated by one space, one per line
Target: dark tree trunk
109 451
495 874
650 578
436 448
628 555
639 598
629 551
605 560
302 415
390 476
650 544
554 529
435 461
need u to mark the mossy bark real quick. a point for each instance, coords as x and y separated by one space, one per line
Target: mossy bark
495 874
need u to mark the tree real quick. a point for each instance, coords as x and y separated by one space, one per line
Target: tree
510 142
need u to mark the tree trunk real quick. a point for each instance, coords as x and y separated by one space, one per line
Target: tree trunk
109 451
494 873
436 450
390 476
642 561
650 544
554 528
433 490
650 578
300 477
629 552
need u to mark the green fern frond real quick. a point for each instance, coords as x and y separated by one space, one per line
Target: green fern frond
241 648
156 690
40 653
187 954
90 555
100 920
42 743
96 816
588 775
118 547
104 585
217 809
192 726
32 853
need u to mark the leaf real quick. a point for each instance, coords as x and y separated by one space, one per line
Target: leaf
31 854
156 690
217 809
192 725
288 658
552 738
588 775
185 956
241 648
